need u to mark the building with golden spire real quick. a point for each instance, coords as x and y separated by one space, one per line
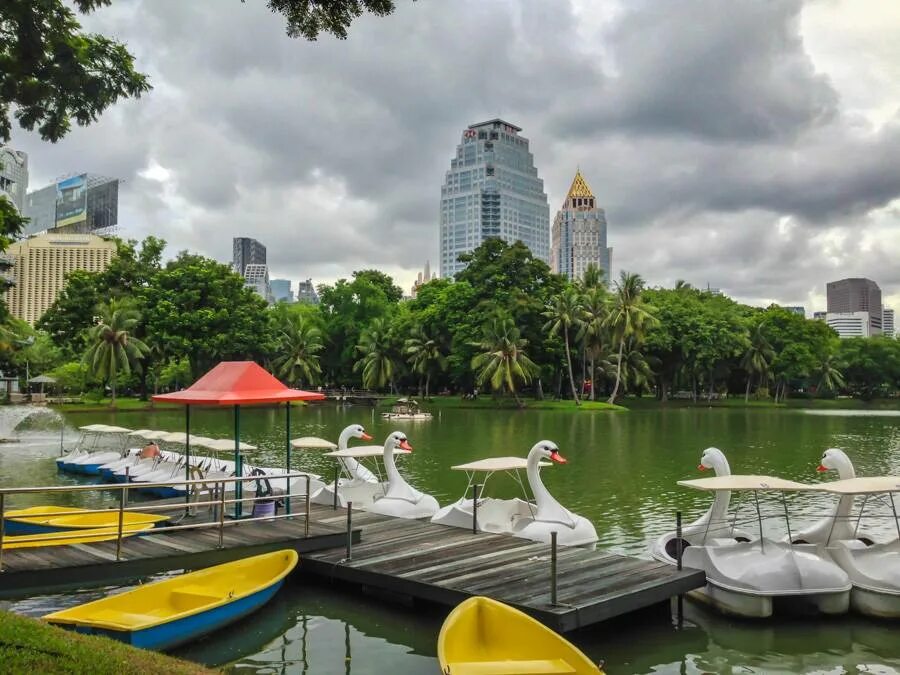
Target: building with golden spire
578 235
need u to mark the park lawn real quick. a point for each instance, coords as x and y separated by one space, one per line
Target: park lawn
126 404
31 646
507 402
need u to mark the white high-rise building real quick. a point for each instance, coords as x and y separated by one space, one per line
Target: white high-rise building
492 190
14 176
850 324
578 237
257 277
887 322
40 265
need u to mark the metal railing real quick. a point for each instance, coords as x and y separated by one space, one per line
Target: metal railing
217 503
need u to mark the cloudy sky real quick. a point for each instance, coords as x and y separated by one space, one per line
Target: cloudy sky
753 145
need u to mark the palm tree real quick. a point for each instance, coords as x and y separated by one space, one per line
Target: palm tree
629 317
299 345
503 362
565 313
637 369
758 357
593 334
830 376
377 361
424 355
592 276
112 349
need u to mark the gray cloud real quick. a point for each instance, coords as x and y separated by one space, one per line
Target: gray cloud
700 129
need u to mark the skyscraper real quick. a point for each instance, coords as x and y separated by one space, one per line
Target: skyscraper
281 290
40 266
856 295
578 237
887 322
492 190
247 251
84 203
14 176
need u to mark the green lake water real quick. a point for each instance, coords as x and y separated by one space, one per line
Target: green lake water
621 474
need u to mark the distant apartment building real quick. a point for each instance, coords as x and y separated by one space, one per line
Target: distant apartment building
14 176
797 309
850 324
887 322
86 203
492 190
257 278
578 235
820 316
40 265
306 292
281 290
247 251
422 278
854 295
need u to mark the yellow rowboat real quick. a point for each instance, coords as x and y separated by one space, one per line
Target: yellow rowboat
82 536
485 637
168 613
44 519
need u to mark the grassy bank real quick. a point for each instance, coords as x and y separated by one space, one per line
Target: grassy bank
30 646
127 404
793 403
506 403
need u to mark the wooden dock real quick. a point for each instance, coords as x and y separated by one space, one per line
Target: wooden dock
30 570
445 565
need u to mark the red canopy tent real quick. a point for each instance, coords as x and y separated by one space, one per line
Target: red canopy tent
237 383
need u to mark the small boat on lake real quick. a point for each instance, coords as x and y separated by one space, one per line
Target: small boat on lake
165 614
400 499
67 537
485 637
84 459
406 409
520 517
48 519
356 478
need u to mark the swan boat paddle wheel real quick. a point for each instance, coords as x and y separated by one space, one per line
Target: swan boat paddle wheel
871 559
745 578
518 517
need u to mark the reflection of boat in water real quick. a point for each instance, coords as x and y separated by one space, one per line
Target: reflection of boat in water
519 517
873 568
745 578
406 409
485 637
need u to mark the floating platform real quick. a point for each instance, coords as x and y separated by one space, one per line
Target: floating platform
446 565
39 570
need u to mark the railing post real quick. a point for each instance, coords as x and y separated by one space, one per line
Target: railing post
2 526
222 514
127 481
553 568
287 461
475 487
337 477
679 550
121 520
349 555
306 527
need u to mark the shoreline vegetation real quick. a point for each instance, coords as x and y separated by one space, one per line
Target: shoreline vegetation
31 646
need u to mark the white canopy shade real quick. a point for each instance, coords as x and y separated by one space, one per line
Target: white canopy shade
225 444
362 451
104 429
863 485
148 433
739 482
497 464
313 442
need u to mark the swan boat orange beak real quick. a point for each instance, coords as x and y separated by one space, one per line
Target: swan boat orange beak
821 469
404 445
558 458
366 437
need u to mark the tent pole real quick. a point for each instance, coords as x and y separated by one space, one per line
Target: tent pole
287 455
237 461
187 453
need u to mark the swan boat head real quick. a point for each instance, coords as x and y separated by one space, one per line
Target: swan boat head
356 431
837 460
547 450
715 460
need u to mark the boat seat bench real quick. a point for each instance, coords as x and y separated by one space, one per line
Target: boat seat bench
523 667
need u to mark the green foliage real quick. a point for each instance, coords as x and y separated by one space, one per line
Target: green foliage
52 72
175 375
112 348
425 354
308 18
299 344
71 377
502 362
378 363
871 366
563 315
628 320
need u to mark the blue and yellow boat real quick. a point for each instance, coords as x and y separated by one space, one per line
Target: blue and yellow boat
168 613
85 535
51 519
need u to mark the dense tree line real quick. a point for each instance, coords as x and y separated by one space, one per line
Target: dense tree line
505 325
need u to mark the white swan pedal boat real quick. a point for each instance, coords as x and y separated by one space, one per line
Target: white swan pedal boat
519 517
871 561
355 480
745 578
85 458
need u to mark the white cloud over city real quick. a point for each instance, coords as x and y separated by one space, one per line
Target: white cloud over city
754 146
